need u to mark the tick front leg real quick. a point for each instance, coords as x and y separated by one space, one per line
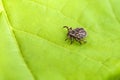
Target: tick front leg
67 28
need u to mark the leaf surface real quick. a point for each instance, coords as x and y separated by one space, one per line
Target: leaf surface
33 46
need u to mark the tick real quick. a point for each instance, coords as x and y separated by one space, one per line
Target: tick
78 34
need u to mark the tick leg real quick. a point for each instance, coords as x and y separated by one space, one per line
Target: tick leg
78 40
70 28
83 40
67 37
67 28
72 40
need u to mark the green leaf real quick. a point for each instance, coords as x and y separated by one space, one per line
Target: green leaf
33 46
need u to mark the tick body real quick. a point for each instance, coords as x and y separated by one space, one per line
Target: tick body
77 34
